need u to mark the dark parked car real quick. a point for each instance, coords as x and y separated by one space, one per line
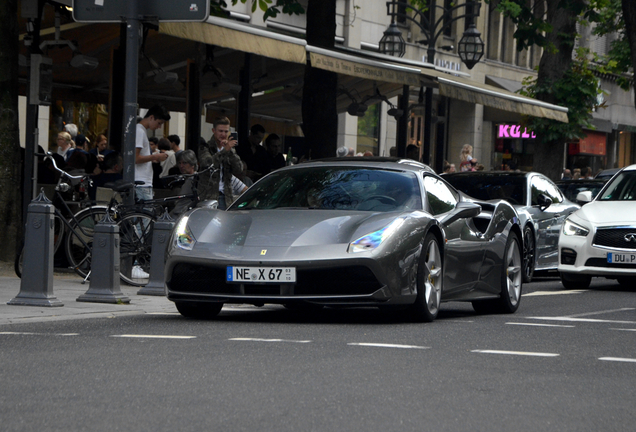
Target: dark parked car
541 206
348 232
607 174
571 188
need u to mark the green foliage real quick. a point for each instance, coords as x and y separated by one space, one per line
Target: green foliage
608 17
577 89
288 7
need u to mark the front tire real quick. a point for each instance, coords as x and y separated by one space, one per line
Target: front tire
199 310
429 281
528 254
511 282
573 281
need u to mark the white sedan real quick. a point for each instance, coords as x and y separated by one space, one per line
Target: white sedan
600 238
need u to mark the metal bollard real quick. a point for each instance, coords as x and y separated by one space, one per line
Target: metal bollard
36 286
157 283
104 286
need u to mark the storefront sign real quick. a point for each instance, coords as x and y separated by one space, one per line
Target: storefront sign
514 131
593 144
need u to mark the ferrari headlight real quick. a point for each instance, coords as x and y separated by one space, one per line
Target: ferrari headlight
372 240
183 235
573 229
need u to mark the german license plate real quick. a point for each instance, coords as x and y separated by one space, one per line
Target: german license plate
621 258
261 274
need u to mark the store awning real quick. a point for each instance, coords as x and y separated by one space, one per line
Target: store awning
490 96
241 37
360 67
506 84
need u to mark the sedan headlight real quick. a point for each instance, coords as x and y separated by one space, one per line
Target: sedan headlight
372 240
183 235
573 229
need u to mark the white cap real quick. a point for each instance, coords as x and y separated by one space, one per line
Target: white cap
342 151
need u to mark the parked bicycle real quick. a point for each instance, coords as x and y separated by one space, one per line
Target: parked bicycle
136 224
64 218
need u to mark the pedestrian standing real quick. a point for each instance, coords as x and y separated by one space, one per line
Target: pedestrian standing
153 120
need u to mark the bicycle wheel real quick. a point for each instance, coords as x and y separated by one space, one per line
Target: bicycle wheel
79 239
58 236
135 244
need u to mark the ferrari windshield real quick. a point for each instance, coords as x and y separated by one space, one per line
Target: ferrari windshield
621 188
334 188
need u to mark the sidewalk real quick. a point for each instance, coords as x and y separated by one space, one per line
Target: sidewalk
67 287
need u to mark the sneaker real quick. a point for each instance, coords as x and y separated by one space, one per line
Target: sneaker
139 273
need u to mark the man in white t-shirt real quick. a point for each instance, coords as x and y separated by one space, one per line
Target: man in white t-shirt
153 120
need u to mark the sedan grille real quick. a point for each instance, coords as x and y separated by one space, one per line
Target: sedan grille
619 238
340 281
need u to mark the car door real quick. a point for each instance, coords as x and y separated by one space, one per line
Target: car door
464 247
547 220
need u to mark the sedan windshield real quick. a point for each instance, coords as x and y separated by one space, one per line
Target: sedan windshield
621 188
509 188
334 188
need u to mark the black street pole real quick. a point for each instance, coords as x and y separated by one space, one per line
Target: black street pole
403 122
130 95
30 144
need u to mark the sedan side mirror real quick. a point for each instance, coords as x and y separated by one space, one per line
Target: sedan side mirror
544 201
584 197
464 210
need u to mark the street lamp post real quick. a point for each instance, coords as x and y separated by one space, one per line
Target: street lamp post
470 49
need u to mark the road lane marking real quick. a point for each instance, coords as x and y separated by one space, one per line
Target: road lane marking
549 293
382 345
539 325
39 334
618 359
153 336
519 353
600 312
269 340
620 329
163 313
589 320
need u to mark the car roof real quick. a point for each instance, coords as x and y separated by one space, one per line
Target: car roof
372 162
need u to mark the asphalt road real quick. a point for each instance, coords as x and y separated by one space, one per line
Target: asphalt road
566 361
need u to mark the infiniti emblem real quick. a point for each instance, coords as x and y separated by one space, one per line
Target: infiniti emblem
631 237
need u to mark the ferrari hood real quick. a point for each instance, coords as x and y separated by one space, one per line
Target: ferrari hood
284 228
608 212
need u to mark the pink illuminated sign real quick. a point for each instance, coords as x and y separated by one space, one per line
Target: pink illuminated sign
514 131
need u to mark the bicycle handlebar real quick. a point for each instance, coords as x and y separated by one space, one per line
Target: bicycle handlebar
49 155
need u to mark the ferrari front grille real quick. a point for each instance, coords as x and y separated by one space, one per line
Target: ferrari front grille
339 281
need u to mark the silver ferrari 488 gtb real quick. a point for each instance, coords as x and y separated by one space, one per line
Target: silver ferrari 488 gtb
348 232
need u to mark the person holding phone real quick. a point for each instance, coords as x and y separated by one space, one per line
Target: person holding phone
219 152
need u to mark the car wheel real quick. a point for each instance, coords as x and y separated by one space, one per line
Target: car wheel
528 254
199 310
571 281
627 281
511 282
429 282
